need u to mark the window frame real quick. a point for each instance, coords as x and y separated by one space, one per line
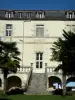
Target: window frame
9 14
39 27
39 62
20 14
70 15
40 14
8 30
28 14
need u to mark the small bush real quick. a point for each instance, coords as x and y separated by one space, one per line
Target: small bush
58 92
15 91
1 92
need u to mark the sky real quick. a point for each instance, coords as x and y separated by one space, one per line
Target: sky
37 4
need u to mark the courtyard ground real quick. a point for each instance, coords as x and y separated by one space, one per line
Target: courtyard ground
37 97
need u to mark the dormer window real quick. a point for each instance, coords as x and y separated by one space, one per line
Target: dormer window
70 15
20 14
9 14
40 14
28 14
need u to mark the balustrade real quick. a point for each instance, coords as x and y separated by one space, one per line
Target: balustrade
51 70
23 69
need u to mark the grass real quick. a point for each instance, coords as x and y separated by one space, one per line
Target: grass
38 97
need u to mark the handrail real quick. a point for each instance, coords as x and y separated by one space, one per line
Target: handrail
23 69
51 70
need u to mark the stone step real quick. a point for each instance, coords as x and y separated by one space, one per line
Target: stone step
37 84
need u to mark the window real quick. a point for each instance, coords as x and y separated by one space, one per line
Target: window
28 14
39 30
73 15
20 14
70 28
9 14
40 14
8 29
70 15
39 60
73 28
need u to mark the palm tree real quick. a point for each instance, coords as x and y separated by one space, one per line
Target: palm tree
9 60
63 51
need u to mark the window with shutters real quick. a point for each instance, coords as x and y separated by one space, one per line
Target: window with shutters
19 14
39 30
9 14
39 60
70 15
40 14
8 29
73 28
28 14
70 28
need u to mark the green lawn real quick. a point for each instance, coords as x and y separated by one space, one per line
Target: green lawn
38 97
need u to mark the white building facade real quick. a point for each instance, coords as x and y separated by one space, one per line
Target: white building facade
34 32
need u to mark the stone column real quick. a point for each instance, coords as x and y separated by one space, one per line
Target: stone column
47 83
2 85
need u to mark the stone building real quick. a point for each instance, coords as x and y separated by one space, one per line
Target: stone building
34 31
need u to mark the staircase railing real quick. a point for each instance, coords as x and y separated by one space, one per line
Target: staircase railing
24 69
29 78
50 70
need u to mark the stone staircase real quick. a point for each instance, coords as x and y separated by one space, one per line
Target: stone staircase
37 84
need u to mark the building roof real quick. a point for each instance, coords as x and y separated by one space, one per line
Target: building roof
38 14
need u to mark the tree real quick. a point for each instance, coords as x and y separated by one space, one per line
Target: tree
9 60
63 51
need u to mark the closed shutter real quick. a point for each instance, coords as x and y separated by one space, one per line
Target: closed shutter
39 31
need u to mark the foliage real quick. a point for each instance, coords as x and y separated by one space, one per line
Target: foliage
15 91
9 60
63 51
57 92
39 97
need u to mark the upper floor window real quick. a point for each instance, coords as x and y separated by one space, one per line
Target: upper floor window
70 15
73 28
28 14
20 14
39 60
9 14
40 14
70 28
39 30
8 29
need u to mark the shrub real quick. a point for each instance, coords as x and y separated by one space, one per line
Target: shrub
1 92
57 92
14 91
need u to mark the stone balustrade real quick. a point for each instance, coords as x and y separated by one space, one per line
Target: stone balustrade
51 70
21 70
24 69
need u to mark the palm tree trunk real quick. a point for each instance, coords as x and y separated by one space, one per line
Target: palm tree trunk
5 82
64 84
